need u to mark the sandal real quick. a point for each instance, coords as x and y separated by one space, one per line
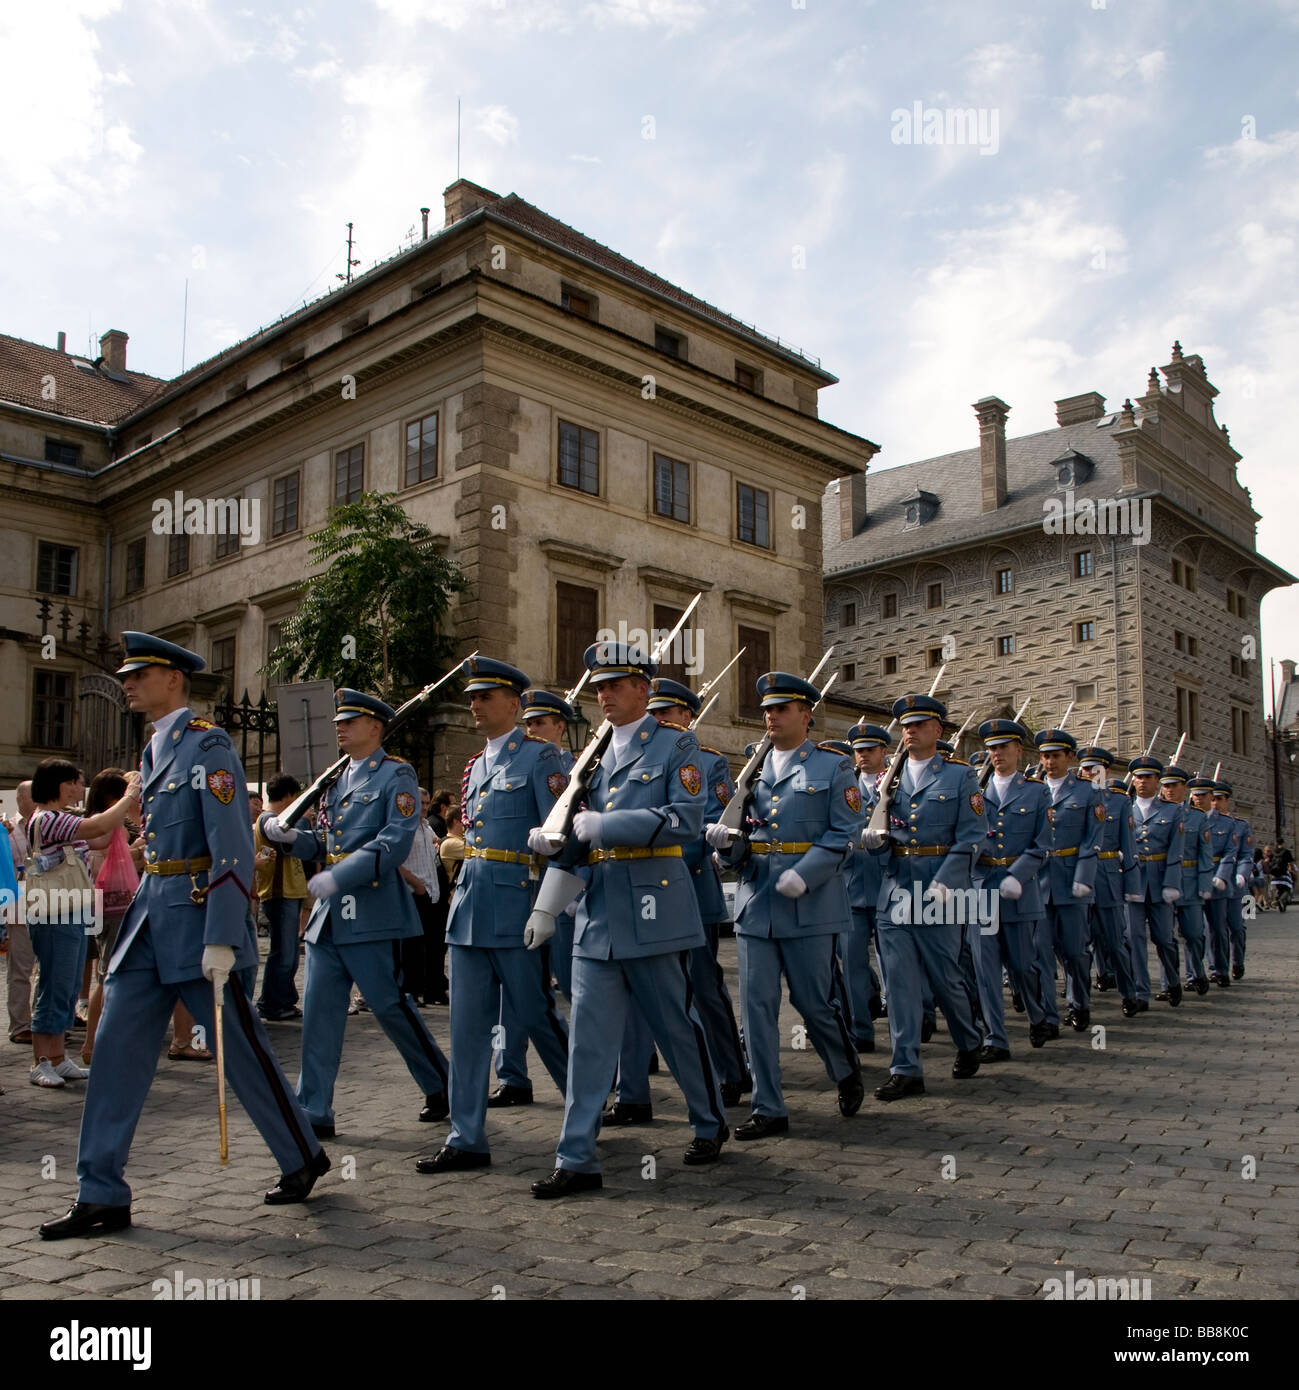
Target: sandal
188 1053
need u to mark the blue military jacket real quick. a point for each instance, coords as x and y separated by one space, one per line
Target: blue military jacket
1077 816
1160 844
815 802
195 804
865 870
1197 854
493 897
718 790
371 825
1018 832
1244 858
1224 846
1117 870
652 797
945 809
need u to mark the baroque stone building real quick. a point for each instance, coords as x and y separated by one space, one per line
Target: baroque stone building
1109 561
593 444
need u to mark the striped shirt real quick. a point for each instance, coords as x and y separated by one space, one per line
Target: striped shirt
422 861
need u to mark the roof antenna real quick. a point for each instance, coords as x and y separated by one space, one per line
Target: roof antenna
184 327
457 139
338 274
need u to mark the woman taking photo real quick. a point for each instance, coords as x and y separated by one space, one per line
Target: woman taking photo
58 840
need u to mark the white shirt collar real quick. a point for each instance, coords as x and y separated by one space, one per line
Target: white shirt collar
162 727
1055 783
494 746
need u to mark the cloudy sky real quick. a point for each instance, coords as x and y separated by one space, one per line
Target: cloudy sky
1135 180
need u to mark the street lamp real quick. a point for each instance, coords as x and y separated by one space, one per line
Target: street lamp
579 730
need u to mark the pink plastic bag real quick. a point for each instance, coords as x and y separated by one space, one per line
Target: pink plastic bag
117 877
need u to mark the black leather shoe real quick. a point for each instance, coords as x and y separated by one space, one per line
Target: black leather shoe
1143 1006
509 1095
1017 1002
452 1160
1079 1019
1162 996
896 1087
436 1107
1237 972
865 1046
296 1187
851 1095
1174 996
621 1113
733 1092
563 1183
875 1006
927 1026
1222 982
1131 1008
988 1053
1201 983
761 1126
322 1130
706 1150
86 1217
654 1064
966 1064
1042 1033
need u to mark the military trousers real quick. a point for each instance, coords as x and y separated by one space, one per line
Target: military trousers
861 981
1109 934
1008 946
1217 947
1236 930
1190 927
1157 917
920 959
137 1010
1068 926
511 1058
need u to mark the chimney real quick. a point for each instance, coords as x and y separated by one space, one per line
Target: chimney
852 505
1287 672
112 348
62 345
462 197
1075 410
423 212
992 412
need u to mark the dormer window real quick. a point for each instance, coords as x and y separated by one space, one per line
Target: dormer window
920 506
1072 469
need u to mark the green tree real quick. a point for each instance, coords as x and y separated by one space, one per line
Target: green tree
373 619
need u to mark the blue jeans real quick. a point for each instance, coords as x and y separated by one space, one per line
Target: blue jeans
279 993
60 948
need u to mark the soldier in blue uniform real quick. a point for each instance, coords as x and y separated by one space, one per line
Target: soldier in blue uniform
1224 844
672 704
188 925
636 921
1014 852
1197 881
1077 817
936 829
1239 884
1161 840
1117 871
510 787
792 901
870 744
363 910
545 716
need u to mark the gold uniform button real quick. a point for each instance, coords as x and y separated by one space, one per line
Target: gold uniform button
152 836
644 777
478 823
774 799
608 805
663 882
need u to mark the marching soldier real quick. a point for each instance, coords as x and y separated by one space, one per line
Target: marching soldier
1077 818
869 744
1161 840
1239 885
936 828
672 703
637 918
1015 849
1197 881
1117 869
546 716
792 900
188 924
362 910
510 786
1224 845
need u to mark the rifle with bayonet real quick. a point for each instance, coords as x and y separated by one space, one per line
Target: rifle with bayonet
709 685
889 783
985 772
314 794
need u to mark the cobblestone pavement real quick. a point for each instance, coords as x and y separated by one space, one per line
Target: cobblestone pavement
1121 1162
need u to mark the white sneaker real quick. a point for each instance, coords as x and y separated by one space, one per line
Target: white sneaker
43 1074
68 1069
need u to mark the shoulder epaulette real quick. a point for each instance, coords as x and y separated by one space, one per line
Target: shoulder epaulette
960 762
717 752
535 738
667 724
393 758
199 723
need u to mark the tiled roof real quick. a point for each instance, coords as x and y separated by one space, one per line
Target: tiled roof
80 392
955 480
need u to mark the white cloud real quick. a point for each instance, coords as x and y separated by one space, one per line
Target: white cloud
1251 150
319 72
1102 104
585 158
497 123
524 16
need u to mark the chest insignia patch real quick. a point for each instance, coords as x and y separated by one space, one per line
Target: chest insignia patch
691 778
406 803
221 784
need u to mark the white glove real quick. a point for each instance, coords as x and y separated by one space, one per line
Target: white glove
1220 885
270 828
538 843
873 839
218 962
938 893
1240 880
571 909
720 836
790 884
1011 888
1207 894
1132 898
587 827
1171 895
322 885
1082 890
540 928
